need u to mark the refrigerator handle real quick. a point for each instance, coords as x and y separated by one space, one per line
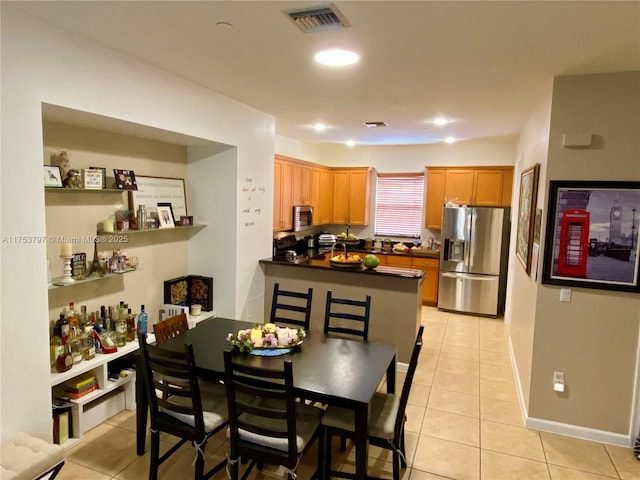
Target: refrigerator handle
446 250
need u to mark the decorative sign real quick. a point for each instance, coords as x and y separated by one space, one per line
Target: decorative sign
92 179
154 190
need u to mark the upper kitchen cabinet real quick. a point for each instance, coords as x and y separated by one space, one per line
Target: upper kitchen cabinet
301 186
320 199
478 186
351 188
282 194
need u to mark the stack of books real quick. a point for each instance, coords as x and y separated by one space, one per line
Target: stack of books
79 386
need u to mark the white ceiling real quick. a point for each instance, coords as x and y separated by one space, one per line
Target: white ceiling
482 64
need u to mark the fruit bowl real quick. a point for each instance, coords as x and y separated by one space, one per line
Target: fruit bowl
346 261
346 264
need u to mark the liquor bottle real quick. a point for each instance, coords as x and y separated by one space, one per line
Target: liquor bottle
131 326
121 332
64 361
100 321
84 318
142 322
62 327
73 316
88 345
55 348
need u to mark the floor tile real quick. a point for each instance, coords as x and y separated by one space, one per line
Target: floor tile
75 471
495 358
424 376
419 395
109 454
501 411
623 459
498 466
563 473
451 364
460 351
448 459
516 441
454 402
499 390
458 383
453 427
420 475
500 373
577 454
415 416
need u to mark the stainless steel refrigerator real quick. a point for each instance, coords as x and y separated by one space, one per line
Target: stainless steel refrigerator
473 259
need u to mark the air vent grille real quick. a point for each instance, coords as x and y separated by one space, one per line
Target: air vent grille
376 124
318 19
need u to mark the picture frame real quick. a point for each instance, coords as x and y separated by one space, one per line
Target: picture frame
165 217
104 175
125 179
154 190
591 238
52 176
92 179
173 217
526 211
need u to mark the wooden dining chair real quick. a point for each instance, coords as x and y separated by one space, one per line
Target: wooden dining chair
386 420
266 424
291 308
184 412
340 309
170 327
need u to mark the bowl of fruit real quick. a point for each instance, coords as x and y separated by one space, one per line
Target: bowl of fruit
347 238
344 260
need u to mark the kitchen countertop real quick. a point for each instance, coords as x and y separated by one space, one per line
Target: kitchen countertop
415 253
319 262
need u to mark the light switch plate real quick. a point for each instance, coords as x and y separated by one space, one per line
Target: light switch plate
565 294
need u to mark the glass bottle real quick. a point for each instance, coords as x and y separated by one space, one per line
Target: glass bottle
88 346
142 322
131 326
121 332
62 327
64 361
76 347
73 317
55 348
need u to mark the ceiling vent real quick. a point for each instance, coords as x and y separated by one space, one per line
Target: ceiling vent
318 19
376 124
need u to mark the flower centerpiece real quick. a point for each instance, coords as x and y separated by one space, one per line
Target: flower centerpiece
268 335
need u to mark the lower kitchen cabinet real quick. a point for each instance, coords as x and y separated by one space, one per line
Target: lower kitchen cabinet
430 266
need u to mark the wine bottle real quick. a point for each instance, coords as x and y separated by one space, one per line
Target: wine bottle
142 322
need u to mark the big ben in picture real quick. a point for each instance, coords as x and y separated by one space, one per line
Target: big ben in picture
615 223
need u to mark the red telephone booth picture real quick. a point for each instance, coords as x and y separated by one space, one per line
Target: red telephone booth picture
574 243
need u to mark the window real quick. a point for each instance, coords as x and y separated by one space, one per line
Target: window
399 200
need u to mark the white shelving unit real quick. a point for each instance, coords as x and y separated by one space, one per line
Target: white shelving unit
111 397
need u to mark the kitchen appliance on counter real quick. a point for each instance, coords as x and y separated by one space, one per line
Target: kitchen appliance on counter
325 242
290 249
473 259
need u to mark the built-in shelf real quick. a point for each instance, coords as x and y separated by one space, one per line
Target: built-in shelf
152 230
56 281
83 190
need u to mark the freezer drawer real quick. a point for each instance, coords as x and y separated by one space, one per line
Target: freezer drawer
463 292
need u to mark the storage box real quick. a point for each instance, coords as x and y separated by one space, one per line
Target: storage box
188 290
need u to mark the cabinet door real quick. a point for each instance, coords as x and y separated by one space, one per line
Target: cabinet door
340 196
434 199
321 195
277 195
305 185
399 261
459 186
487 188
430 283
507 187
287 196
296 184
359 196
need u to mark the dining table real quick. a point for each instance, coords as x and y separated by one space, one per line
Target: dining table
326 369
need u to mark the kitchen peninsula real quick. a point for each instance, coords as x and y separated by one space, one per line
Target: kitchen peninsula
395 295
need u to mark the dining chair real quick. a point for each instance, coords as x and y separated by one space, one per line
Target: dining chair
386 420
266 424
182 411
170 327
292 308
339 309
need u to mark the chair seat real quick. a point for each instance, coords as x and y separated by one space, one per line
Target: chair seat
214 406
307 421
382 416
25 457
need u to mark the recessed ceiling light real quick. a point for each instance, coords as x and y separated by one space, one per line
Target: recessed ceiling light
336 57
441 121
319 127
450 140
350 143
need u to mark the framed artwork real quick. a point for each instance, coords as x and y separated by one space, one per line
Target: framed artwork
173 217
165 218
125 179
526 210
52 176
155 190
591 238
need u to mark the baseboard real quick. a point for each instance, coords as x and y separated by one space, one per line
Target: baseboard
567 429
402 367
576 431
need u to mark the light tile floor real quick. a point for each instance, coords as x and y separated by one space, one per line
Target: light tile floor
464 422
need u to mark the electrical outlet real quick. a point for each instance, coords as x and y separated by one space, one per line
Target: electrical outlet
565 294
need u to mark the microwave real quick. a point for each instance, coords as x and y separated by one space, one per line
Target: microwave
302 218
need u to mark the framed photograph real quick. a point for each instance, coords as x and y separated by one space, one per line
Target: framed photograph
52 176
168 204
165 218
152 191
591 238
125 179
526 210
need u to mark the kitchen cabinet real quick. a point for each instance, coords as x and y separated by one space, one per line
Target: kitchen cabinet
430 266
402 261
301 184
320 199
351 192
478 186
282 195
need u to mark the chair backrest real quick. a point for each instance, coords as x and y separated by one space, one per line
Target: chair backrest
292 308
261 404
408 380
171 327
344 309
177 402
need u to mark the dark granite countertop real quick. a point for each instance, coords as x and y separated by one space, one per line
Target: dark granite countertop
318 261
414 253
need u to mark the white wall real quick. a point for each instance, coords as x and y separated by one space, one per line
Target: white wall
41 64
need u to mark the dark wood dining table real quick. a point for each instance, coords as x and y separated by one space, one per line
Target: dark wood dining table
330 370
